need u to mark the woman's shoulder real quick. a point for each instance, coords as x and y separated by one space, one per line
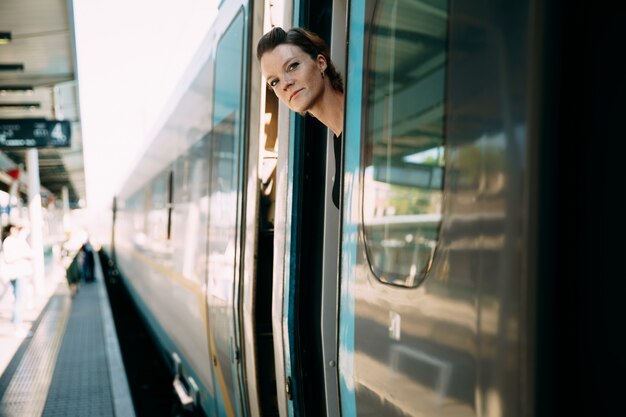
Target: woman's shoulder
14 243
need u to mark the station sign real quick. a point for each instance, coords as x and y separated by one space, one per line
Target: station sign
34 133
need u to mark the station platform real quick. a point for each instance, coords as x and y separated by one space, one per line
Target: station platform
68 363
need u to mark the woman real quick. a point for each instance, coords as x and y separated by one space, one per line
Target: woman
297 65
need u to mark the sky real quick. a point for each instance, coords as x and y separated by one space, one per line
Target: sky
130 54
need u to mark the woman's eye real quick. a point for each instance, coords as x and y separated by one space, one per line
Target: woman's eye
293 66
273 83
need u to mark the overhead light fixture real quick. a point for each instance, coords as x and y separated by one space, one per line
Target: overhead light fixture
20 106
11 67
11 89
5 37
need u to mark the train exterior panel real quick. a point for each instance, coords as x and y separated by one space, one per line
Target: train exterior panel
422 294
432 320
184 280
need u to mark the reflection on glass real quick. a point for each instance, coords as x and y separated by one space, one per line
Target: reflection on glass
224 190
224 161
191 212
404 153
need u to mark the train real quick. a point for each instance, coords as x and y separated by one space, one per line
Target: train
450 281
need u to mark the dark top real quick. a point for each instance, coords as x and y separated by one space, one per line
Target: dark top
338 170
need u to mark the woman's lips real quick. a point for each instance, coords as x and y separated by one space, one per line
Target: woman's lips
295 93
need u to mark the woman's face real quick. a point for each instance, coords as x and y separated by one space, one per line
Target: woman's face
294 76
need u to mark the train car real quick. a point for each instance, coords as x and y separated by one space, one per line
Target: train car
438 287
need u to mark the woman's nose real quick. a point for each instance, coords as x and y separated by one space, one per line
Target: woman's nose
287 82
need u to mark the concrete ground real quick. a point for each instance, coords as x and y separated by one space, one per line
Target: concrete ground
10 340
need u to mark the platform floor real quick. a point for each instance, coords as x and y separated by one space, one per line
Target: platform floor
69 363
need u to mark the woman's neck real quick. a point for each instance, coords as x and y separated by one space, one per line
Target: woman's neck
329 111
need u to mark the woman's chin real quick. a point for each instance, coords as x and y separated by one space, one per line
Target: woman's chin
297 108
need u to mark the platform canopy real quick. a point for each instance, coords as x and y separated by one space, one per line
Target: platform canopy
38 81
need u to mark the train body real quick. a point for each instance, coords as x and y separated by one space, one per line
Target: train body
425 293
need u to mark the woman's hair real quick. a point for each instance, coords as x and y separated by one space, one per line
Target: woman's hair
306 40
6 230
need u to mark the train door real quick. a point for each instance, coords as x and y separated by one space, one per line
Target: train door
225 211
331 253
257 272
304 305
432 319
311 312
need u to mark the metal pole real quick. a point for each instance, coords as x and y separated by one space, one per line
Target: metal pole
13 199
36 221
65 194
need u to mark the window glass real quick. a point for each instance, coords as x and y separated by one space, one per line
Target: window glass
157 215
224 183
404 138
189 234
134 206
223 162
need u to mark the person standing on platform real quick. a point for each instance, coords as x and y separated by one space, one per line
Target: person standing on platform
17 255
5 279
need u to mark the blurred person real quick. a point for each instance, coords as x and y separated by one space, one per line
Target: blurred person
17 255
5 279
86 261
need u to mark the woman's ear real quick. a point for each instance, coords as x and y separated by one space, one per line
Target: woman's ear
321 62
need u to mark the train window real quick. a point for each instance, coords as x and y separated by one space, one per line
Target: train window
404 138
224 160
134 207
189 216
157 216
225 163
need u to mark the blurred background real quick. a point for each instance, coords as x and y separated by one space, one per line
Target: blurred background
106 69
